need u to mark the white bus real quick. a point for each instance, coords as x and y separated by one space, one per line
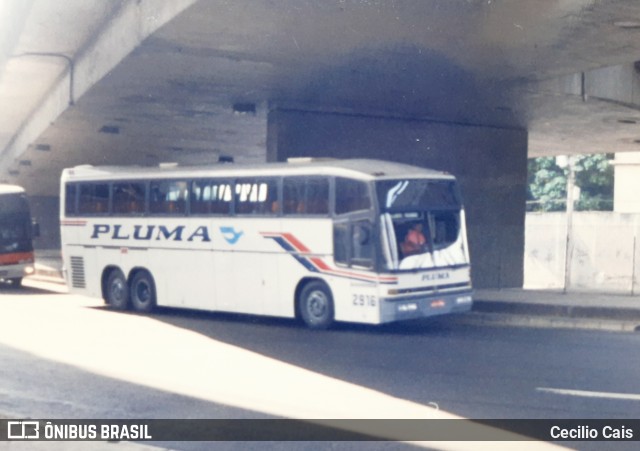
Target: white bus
16 235
322 241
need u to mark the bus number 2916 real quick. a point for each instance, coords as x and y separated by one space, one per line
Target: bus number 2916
364 300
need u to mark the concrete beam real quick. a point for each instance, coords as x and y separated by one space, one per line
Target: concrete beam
128 27
13 15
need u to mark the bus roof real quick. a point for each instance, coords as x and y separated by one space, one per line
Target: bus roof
10 189
364 169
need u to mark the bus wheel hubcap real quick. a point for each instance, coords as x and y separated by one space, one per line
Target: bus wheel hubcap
142 292
117 290
317 304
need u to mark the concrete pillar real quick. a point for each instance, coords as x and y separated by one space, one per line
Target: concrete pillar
626 182
491 164
46 211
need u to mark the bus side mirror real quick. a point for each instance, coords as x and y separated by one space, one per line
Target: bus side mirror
35 229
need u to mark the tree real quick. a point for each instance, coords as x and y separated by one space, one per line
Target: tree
594 176
548 183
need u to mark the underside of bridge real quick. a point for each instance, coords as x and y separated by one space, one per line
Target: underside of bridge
473 87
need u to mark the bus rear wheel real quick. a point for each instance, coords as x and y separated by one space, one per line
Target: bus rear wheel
316 305
143 292
117 291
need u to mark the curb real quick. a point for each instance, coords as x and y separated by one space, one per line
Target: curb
547 322
558 310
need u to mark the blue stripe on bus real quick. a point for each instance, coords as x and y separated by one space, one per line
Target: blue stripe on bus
292 251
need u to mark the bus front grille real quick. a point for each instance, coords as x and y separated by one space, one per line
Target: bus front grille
77 272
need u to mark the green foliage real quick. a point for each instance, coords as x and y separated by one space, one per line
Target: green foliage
548 183
594 176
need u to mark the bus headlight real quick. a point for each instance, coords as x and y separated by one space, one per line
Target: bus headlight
464 300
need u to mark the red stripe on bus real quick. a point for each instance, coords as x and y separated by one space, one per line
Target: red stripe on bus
73 223
15 258
320 264
295 243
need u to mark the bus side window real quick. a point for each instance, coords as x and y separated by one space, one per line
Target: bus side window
211 197
351 195
353 244
292 195
70 191
221 197
256 196
317 195
305 195
128 198
94 198
341 244
168 196
200 197
362 244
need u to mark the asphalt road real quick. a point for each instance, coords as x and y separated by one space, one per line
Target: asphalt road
67 357
472 371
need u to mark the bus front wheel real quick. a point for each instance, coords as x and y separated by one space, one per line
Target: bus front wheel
316 305
117 292
143 292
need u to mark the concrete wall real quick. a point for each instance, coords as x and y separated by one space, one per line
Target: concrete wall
605 251
491 164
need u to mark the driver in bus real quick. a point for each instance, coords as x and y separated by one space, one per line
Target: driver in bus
414 242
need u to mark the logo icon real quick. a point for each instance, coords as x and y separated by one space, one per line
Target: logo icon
23 430
230 234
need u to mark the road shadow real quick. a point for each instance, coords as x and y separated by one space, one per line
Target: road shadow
388 358
433 326
468 370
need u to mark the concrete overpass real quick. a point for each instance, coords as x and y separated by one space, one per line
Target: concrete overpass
470 86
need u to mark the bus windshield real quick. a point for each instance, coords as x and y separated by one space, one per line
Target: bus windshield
14 235
422 224
15 223
409 195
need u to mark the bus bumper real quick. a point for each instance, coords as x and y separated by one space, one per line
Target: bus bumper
411 307
9 272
